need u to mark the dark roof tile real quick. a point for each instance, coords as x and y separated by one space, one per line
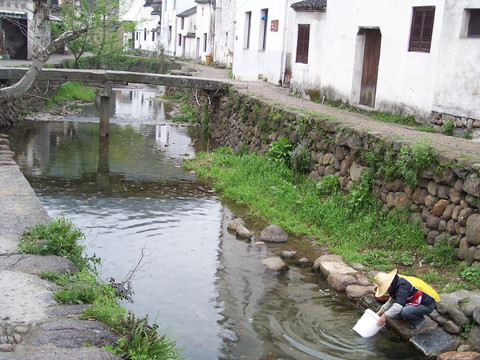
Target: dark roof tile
188 12
310 5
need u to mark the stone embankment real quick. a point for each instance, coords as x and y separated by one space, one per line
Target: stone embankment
32 325
438 337
446 200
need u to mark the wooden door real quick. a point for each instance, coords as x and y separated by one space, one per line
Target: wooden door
371 58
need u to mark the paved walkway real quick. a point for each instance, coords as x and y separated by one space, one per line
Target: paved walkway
451 147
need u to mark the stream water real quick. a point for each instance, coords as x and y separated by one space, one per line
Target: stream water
132 199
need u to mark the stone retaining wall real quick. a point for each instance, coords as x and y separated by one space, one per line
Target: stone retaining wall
461 126
12 113
446 200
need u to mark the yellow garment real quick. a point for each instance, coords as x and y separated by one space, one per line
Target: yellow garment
422 286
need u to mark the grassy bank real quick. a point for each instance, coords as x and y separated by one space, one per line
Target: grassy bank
73 90
350 224
138 338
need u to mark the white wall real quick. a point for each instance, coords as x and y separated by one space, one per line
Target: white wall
457 85
204 23
309 76
224 32
254 63
186 49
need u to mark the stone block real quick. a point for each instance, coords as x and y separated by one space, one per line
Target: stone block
455 195
340 281
447 213
473 229
358 291
434 343
440 207
472 185
333 263
464 215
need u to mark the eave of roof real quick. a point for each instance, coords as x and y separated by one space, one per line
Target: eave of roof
310 5
188 12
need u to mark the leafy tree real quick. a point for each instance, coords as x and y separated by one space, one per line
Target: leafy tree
101 18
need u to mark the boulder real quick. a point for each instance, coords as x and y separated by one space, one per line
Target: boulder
333 264
358 291
235 223
274 234
243 232
286 254
340 281
274 263
452 312
452 328
440 207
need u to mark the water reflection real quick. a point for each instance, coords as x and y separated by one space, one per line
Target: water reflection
130 195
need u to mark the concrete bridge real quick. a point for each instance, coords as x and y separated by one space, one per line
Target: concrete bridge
105 80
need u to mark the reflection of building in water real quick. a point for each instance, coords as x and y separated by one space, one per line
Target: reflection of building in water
138 106
162 138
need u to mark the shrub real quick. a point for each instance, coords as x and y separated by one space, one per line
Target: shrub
448 128
58 237
413 158
280 152
142 341
471 274
81 289
328 185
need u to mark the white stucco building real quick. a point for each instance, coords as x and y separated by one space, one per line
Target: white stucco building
186 37
260 40
205 29
169 27
411 57
146 14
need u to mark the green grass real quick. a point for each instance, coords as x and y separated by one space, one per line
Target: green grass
139 339
58 237
74 91
350 224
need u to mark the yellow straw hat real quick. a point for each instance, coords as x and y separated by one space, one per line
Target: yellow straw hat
383 281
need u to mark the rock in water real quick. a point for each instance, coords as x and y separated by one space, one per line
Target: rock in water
273 233
274 263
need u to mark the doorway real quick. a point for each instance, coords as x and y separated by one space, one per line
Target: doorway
371 59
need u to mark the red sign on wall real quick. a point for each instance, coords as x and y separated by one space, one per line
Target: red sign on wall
274 25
